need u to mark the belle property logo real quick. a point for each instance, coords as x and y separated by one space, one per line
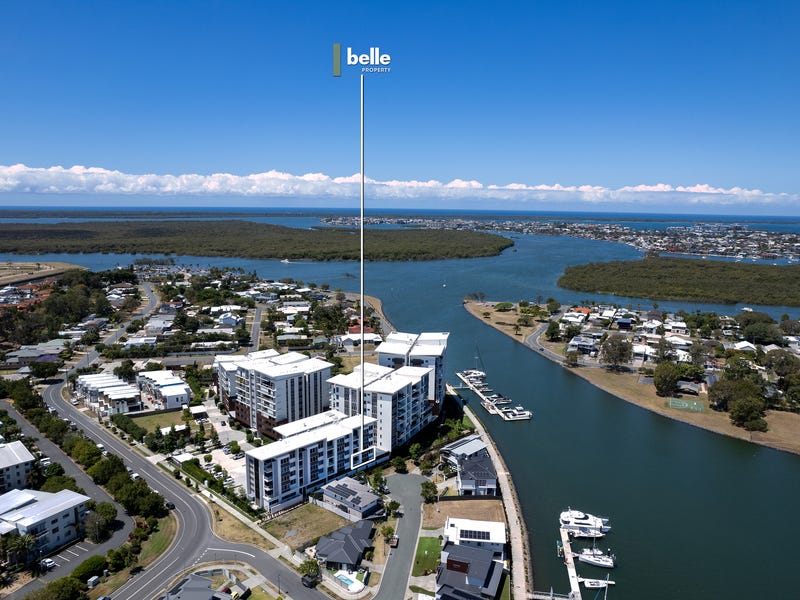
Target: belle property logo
371 62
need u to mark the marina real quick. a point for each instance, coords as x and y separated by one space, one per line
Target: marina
491 401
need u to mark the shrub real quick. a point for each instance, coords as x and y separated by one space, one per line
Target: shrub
94 565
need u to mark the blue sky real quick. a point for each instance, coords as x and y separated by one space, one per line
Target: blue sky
686 106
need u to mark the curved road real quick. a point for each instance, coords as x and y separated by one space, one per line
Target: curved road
194 542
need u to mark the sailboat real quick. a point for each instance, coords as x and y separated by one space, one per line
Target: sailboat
595 556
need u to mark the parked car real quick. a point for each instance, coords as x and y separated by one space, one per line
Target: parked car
48 563
170 505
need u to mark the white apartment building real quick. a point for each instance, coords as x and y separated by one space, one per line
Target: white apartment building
401 401
108 394
417 350
55 519
311 452
164 389
16 463
264 390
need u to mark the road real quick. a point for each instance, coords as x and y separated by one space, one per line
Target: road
195 541
406 490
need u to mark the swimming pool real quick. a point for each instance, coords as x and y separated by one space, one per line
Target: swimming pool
345 580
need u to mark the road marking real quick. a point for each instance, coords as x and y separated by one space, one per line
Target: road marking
232 550
62 557
82 548
73 553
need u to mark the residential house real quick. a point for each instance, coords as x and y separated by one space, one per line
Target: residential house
351 496
488 535
345 547
476 477
467 573
466 447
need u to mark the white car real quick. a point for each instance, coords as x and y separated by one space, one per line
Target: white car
48 563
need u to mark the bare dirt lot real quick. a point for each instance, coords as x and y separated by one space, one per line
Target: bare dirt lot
301 525
20 272
434 515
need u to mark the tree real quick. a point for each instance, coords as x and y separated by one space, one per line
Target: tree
310 567
429 492
125 370
782 362
664 351
399 464
44 369
570 331
615 351
748 412
234 446
698 353
392 506
724 392
387 531
415 451
571 358
378 480
64 588
666 377
553 332
553 306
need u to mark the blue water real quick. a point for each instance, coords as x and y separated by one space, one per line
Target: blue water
695 515
306 218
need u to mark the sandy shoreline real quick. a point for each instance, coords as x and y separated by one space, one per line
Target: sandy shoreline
784 428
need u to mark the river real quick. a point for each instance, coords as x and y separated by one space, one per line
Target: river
695 515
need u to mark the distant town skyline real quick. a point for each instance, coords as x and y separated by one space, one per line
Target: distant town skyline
685 107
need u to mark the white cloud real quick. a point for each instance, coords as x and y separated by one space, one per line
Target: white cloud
21 179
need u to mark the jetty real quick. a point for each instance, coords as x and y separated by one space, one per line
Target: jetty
494 403
569 560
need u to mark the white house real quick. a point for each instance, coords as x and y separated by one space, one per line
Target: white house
489 535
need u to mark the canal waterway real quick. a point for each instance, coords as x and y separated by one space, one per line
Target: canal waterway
695 515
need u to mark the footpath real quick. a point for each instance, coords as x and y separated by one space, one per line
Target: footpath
521 568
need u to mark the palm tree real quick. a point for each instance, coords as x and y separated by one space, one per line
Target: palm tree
26 543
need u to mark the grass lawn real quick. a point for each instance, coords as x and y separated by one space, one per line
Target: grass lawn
232 529
304 524
150 422
152 548
505 590
420 590
427 557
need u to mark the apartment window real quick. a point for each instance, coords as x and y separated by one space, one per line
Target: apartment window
54 521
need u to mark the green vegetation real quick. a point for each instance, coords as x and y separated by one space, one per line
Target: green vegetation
76 295
689 279
427 557
245 239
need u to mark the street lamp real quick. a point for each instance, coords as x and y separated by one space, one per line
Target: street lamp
279 584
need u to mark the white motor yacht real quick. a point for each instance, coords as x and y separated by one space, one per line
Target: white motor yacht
575 519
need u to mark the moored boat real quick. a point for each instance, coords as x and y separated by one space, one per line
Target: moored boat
596 583
596 557
575 519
